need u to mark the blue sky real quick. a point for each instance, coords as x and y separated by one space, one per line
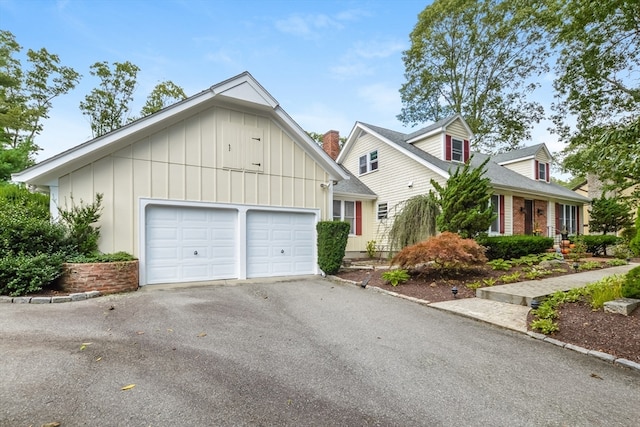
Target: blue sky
328 63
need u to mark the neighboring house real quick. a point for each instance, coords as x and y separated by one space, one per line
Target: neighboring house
221 185
592 187
396 166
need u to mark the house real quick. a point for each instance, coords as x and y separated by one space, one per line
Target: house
221 185
395 166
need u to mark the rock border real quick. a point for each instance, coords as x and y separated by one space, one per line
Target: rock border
79 296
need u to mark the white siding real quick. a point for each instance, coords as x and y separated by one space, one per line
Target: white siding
390 182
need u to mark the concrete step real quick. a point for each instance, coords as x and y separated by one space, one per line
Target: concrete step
522 293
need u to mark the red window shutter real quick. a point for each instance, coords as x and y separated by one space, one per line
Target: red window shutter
537 174
447 148
358 218
466 150
557 218
501 207
548 176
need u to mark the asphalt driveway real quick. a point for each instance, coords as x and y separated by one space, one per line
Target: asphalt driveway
304 352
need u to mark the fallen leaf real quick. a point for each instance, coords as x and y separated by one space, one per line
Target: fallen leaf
202 334
53 424
128 387
98 359
140 332
169 330
596 376
84 345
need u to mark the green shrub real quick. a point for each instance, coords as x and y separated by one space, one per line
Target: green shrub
500 264
395 276
616 262
597 244
631 285
508 247
78 220
21 232
22 274
371 248
605 289
589 265
546 326
98 257
621 251
634 243
332 242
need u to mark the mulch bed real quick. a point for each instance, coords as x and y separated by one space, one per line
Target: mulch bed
610 333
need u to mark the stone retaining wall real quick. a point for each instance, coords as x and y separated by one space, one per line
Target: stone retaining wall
105 277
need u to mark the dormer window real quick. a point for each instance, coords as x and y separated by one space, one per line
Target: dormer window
368 162
456 150
542 171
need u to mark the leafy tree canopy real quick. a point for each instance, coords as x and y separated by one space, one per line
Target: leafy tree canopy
598 86
108 106
26 97
476 58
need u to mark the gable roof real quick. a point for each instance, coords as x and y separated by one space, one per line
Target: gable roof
520 154
242 90
353 187
500 176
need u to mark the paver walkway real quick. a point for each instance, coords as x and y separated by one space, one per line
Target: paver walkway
508 305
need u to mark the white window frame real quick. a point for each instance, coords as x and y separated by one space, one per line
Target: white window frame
495 206
568 218
454 152
383 211
542 171
367 163
342 214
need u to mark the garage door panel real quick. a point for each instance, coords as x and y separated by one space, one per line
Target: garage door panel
174 234
271 233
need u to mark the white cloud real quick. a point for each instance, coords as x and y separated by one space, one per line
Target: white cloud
319 117
346 70
221 57
306 26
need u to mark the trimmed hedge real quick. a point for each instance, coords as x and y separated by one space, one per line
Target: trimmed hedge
22 274
332 242
509 247
597 243
631 285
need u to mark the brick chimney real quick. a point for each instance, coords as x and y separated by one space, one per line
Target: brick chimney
331 143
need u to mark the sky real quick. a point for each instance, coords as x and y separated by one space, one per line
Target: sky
328 63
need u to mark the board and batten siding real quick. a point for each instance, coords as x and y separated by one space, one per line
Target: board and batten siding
390 182
184 162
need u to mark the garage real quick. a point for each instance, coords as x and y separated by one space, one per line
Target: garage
187 244
280 243
197 243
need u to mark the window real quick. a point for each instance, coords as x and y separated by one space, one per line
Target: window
368 162
344 210
495 207
457 150
383 210
542 171
567 218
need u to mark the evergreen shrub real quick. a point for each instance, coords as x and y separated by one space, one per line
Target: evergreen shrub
597 244
509 247
631 285
21 274
332 242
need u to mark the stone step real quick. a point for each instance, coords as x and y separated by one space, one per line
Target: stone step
522 293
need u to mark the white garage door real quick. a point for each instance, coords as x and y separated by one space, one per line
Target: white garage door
280 244
190 244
